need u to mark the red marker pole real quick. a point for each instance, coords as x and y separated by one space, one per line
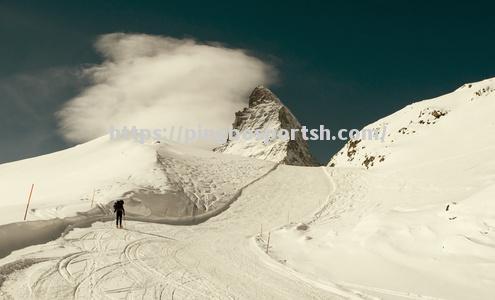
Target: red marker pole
29 201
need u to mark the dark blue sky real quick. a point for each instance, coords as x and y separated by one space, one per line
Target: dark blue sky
341 64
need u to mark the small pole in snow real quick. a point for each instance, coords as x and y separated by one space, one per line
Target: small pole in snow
29 201
268 243
261 231
93 198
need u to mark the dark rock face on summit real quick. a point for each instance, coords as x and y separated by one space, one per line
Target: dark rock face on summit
267 114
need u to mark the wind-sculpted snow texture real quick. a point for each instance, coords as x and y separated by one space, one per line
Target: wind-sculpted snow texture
200 184
208 179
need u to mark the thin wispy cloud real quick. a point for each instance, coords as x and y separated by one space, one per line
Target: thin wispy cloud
157 82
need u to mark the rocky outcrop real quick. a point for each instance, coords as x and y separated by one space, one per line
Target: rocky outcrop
423 130
267 114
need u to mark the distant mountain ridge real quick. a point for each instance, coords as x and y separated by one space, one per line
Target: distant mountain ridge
424 129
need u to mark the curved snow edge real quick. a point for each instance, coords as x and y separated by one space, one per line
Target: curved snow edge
15 236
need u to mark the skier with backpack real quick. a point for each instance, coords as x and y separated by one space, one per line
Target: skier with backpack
118 209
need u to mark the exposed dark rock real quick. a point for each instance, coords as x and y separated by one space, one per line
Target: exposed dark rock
266 112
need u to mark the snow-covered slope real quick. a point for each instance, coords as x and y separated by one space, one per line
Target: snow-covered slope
65 181
421 223
217 259
452 124
266 112
158 180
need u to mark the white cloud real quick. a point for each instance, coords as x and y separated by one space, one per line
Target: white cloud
156 82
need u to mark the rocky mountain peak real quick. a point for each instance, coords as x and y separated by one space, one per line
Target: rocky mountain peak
262 94
266 112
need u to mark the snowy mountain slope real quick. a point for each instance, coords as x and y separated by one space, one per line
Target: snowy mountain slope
159 180
217 259
65 181
266 112
421 223
462 119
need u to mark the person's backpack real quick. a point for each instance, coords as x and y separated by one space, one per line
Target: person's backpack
118 205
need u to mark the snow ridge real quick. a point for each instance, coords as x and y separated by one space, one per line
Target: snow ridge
422 124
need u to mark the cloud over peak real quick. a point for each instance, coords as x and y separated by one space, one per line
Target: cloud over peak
157 82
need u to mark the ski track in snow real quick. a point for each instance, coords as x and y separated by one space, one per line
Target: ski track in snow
216 259
350 184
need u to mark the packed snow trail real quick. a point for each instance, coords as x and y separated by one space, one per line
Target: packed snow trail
216 259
